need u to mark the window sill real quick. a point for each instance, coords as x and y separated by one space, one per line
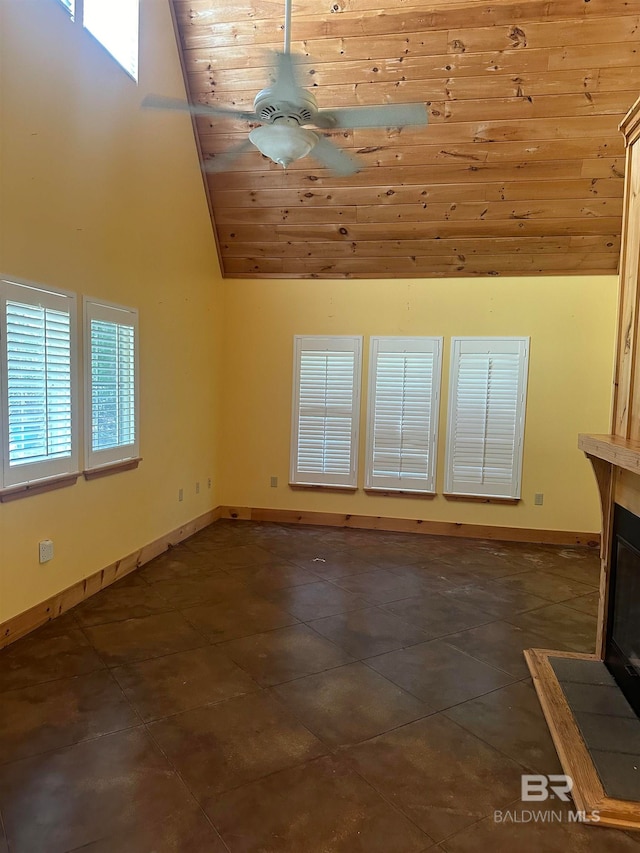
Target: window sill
483 499
373 490
37 487
321 487
112 468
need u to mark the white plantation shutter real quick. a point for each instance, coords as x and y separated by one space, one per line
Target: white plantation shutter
404 393
38 367
486 416
326 405
111 334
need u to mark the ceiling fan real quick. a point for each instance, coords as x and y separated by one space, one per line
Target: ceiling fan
282 111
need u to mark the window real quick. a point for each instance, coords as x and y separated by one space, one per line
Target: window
38 381
115 25
326 406
487 395
404 393
111 384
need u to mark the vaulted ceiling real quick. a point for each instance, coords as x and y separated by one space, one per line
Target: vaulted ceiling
520 170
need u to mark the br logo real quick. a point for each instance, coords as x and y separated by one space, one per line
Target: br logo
537 788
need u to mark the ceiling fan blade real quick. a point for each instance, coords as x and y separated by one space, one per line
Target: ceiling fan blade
160 102
384 115
222 162
335 158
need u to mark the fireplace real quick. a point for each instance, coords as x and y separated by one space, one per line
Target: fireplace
622 649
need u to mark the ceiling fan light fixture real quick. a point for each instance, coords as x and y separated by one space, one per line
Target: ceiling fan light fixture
283 142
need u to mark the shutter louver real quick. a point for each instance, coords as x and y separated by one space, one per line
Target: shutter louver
325 416
403 411
38 383
488 383
112 385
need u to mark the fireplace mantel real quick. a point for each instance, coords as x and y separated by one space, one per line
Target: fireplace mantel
620 452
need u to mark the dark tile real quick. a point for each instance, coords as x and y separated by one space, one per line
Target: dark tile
437 615
315 600
285 654
545 585
387 557
495 598
47 655
610 734
543 836
438 674
139 639
123 602
579 565
511 720
598 699
499 644
585 603
58 713
200 588
175 563
185 831
236 741
240 617
364 633
320 807
239 556
269 576
440 776
619 774
334 565
178 682
561 627
381 586
349 704
60 800
581 671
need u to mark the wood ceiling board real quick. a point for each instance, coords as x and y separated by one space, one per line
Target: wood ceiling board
521 163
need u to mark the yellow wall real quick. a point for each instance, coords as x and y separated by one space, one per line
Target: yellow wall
571 321
103 199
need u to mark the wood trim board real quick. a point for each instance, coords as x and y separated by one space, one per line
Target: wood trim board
411 525
22 624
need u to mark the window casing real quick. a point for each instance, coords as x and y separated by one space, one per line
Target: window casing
485 431
402 422
38 383
325 412
111 384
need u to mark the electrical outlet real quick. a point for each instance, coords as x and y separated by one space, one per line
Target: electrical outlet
46 550
197 488
180 494
538 499
274 482
209 483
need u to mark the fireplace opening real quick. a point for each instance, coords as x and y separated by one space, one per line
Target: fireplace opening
622 655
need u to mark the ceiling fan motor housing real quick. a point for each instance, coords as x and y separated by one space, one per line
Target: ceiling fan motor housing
269 108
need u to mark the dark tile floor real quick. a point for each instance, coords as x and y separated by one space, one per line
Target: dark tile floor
271 688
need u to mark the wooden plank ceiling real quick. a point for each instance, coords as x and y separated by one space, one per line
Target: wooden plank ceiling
519 172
